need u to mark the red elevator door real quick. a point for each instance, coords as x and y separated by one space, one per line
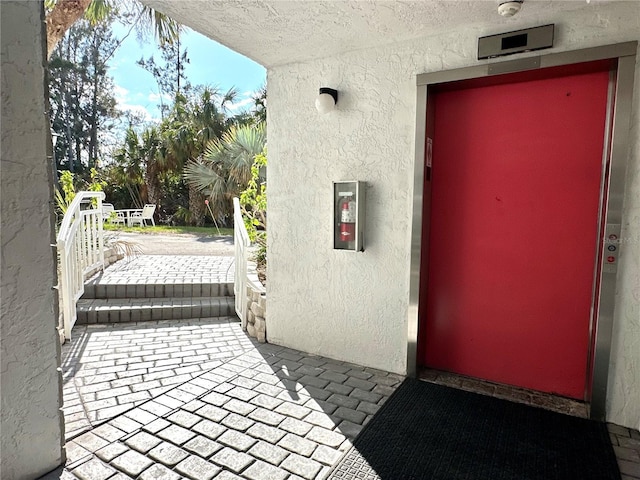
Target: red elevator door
513 231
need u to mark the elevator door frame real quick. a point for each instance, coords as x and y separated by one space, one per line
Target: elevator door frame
623 58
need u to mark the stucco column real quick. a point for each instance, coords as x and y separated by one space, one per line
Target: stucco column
32 431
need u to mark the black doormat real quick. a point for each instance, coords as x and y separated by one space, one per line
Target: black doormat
432 432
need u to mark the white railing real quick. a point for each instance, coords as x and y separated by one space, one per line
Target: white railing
241 245
80 250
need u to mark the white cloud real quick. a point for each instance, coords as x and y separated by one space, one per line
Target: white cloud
120 93
244 99
141 111
233 106
155 97
126 104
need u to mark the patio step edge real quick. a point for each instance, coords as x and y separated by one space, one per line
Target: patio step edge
119 310
93 289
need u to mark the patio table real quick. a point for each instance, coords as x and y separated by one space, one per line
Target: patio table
128 213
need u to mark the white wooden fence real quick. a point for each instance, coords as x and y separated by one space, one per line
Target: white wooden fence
80 245
241 245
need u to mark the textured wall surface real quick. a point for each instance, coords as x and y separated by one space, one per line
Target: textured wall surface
353 306
31 428
624 374
276 32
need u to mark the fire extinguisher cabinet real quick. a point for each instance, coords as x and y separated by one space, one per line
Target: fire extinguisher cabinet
348 216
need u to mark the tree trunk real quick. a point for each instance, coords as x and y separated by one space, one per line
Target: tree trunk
67 131
93 121
59 20
178 67
196 207
77 122
67 113
153 183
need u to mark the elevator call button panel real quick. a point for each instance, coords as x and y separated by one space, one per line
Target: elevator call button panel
612 246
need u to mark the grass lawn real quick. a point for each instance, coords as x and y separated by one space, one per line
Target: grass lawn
165 229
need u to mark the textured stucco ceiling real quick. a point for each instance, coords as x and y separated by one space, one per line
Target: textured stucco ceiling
276 32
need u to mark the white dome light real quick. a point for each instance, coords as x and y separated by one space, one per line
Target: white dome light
326 100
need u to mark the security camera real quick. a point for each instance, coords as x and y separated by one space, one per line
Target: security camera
510 8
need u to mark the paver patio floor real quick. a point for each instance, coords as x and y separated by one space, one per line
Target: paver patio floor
108 370
198 399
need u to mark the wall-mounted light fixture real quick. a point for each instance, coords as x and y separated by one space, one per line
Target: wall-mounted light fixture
327 99
509 8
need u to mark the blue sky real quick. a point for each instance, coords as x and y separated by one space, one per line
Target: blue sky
210 64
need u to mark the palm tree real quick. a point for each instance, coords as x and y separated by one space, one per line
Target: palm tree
150 153
225 169
62 14
192 124
128 170
260 104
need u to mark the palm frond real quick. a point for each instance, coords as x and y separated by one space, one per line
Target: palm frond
126 247
165 28
229 97
202 176
214 150
98 10
236 150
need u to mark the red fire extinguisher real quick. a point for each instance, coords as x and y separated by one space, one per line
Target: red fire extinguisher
348 220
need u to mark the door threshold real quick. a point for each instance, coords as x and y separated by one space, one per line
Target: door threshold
533 398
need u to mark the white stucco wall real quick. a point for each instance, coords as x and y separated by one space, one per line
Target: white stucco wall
354 306
623 405
31 421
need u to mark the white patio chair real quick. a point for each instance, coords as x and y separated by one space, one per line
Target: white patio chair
119 218
144 215
109 214
107 210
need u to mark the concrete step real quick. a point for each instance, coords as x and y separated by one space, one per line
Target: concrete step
116 310
97 289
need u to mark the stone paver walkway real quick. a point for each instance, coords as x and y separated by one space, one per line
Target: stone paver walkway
164 269
197 399
107 370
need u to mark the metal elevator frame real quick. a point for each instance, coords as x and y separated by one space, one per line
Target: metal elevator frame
616 148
